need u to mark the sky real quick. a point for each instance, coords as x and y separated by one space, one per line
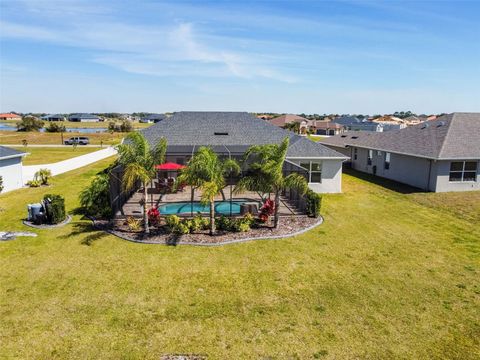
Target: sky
261 56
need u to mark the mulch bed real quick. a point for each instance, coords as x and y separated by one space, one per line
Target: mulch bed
289 225
48 226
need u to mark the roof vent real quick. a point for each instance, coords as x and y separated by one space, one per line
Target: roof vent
441 123
343 136
220 133
424 126
354 137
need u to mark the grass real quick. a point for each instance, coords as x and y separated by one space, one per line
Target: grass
89 125
39 155
390 274
33 138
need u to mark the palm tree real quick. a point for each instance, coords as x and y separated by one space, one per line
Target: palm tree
266 173
139 161
207 172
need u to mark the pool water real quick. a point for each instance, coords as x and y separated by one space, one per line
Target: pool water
221 207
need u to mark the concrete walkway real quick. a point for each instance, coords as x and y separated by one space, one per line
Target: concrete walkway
61 167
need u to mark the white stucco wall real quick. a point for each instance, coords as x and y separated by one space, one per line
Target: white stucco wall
443 184
11 172
409 170
331 175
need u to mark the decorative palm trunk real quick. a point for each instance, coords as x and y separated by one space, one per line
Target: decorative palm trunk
145 211
276 217
212 217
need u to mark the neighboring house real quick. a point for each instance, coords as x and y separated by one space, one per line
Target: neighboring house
230 134
353 123
413 120
10 116
328 128
11 168
390 122
153 118
439 155
54 117
283 120
84 118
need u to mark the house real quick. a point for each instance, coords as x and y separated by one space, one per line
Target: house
353 123
54 117
84 118
413 120
11 168
328 128
10 116
230 134
286 119
153 118
440 155
390 122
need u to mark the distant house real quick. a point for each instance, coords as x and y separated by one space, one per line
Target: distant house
153 118
54 117
283 120
328 128
84 118
439 155
9 116
390 122
353 123
11 168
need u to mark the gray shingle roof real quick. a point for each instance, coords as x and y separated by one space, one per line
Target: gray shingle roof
453 136
234 130
6 152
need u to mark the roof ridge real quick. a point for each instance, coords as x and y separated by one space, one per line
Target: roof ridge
452 116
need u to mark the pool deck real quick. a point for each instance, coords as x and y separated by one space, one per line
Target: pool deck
133 206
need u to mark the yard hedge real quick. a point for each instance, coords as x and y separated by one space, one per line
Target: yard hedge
314 203
55 208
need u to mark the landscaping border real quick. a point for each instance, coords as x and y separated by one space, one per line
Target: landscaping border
227 242
46 226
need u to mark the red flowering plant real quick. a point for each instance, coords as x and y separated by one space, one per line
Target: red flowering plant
153 216
267 210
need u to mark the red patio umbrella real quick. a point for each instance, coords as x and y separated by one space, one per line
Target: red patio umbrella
169 166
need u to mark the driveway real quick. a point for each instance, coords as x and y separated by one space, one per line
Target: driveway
61 167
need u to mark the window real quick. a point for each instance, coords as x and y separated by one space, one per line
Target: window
370 156
355 153
387 161
314 171
463 171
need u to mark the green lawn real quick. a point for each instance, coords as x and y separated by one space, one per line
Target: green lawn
43 138
45 155
387 276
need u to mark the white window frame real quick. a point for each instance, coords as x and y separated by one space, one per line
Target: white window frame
370 157
463 171
310 171
386 164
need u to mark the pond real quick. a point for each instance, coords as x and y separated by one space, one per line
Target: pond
10 127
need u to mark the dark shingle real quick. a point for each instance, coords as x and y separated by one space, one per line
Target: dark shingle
236 130
9 152
453 136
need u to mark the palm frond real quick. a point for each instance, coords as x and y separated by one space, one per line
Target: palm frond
297 182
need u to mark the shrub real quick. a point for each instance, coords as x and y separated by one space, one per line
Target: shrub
55 208
125 126
55 128
182 228
95 198
314 203
172 221
267 210
224 223
34 183
43 175
1 184
29 123
153 216
134 224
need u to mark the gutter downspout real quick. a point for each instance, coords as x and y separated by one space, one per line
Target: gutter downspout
429 175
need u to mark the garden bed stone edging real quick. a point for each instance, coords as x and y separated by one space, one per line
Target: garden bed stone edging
46 226
227 242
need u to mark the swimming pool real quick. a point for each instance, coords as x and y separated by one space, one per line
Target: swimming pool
221 207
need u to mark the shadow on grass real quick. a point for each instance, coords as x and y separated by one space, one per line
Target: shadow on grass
86 228
386 183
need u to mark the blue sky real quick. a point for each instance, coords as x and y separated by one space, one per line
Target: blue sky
278 56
